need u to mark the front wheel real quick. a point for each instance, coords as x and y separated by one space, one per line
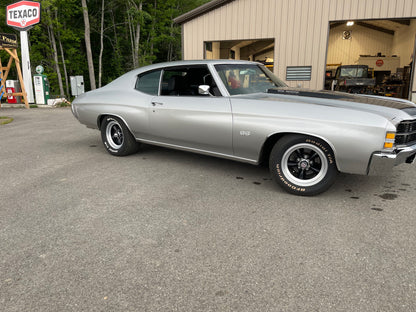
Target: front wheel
117 138
303 165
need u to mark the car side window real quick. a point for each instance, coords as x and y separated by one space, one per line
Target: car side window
184 81
149 82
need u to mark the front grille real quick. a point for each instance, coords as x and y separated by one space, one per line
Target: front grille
406 133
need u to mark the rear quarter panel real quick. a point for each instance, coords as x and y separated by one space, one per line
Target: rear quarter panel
124 102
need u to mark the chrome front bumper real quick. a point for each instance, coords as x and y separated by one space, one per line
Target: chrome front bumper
381 163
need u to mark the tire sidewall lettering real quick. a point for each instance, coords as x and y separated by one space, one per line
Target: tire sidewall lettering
328 154
279 174
109 148
288 184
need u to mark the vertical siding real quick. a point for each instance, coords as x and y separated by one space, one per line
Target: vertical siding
300 49
399 10
271 26
384 7
320 67
290 29
407 8
354 7
280 43
347 8
365 9
299 27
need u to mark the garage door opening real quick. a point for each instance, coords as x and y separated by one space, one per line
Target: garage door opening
260 50
371 57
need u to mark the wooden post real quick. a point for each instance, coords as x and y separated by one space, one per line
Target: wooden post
5 73
2 83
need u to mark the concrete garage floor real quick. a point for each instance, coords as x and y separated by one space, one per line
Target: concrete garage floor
163 230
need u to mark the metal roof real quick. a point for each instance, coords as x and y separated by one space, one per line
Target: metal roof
203 9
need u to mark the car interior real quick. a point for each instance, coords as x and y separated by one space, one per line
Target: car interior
185 81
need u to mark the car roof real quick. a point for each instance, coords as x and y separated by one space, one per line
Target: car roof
127 77
190 62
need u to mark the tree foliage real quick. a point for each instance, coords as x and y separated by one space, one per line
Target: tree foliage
135 33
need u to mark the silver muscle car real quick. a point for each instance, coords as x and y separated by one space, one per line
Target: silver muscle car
239 110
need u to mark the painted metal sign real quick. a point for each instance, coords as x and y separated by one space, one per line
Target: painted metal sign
379 63
8 41
23 15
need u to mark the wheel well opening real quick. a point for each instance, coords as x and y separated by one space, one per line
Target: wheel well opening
270 143
268 146
100 120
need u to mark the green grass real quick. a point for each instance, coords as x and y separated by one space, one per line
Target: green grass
33 106
63 104
5 120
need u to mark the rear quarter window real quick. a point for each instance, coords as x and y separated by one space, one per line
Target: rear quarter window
149 82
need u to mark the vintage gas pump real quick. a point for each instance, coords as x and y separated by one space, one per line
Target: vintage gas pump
41 86
13 86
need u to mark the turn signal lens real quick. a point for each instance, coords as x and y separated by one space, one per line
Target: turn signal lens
389 141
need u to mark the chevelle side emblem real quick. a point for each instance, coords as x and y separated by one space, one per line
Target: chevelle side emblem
245 133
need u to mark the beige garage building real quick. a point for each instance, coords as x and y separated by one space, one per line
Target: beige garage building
305 40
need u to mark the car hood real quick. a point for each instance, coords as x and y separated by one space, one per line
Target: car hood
391 108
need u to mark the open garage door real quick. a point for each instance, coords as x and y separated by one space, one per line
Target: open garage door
260 50
371 57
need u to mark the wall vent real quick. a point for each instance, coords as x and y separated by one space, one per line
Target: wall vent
298 73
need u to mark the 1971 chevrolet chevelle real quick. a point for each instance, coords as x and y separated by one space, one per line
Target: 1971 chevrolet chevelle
239 110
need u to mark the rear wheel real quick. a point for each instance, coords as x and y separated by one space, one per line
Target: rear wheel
117 138
303 165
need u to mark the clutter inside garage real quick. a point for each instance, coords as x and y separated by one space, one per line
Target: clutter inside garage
371 57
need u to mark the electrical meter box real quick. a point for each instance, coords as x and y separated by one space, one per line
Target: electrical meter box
13 86
77 85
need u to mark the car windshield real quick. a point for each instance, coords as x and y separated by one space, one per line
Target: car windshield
247 78
354 72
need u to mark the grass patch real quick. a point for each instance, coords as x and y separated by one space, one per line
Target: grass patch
63 104
33 106
5 120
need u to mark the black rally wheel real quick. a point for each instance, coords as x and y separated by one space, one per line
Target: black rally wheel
303 165
117 138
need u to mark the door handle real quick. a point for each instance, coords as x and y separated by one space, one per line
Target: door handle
156 103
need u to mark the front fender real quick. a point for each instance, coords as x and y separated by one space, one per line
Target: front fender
353 135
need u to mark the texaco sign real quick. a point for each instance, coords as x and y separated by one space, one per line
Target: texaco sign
23 14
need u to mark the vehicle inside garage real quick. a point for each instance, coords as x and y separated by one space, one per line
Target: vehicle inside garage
371 57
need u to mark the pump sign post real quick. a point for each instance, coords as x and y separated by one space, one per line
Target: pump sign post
23 15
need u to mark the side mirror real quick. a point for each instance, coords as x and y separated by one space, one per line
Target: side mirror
204 90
